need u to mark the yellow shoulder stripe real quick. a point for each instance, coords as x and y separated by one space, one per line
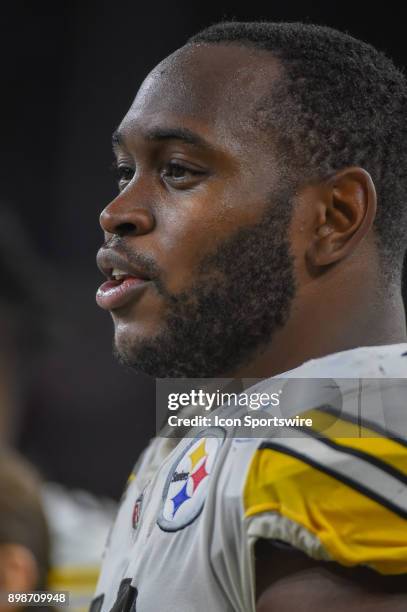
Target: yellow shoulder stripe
353 528
359 437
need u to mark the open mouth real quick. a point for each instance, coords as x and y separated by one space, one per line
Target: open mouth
119 289
119 276
126 281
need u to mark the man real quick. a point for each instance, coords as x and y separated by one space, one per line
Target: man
260 224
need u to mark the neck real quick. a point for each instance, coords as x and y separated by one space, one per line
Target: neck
358 316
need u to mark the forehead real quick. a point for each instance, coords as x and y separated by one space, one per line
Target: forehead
215 88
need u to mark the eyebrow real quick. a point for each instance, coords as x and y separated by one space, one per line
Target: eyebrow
158 134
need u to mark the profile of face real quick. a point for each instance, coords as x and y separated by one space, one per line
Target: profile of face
197 247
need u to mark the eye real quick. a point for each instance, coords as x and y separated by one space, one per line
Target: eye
123 173
179 173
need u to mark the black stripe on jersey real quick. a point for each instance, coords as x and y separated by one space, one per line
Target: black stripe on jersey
344 479
344 448
96 604
126 597
361 422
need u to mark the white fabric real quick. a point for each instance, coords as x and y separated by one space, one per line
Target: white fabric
79 523
207 565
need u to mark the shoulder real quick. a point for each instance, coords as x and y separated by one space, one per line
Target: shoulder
364 362
338 490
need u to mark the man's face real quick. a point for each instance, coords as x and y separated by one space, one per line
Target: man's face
198 234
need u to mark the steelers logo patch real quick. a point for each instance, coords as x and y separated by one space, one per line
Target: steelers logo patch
187 483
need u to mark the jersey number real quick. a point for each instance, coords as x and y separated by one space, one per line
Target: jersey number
125 600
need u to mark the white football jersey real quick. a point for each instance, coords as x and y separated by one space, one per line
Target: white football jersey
184 535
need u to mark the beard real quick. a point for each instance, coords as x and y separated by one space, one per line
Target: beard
241 295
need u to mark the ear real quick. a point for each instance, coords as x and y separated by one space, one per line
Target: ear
18 568
344 215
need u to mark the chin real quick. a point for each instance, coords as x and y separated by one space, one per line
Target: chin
138 352
126 347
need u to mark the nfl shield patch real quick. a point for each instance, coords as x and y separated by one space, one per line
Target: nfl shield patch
137 511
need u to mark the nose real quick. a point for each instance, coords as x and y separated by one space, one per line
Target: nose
123 216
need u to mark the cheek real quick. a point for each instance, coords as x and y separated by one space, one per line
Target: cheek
196 226
186 233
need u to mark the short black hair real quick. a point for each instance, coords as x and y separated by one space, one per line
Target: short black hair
340 103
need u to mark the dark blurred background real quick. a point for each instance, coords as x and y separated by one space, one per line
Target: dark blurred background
69 72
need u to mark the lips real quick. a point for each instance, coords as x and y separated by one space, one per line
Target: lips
125 281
